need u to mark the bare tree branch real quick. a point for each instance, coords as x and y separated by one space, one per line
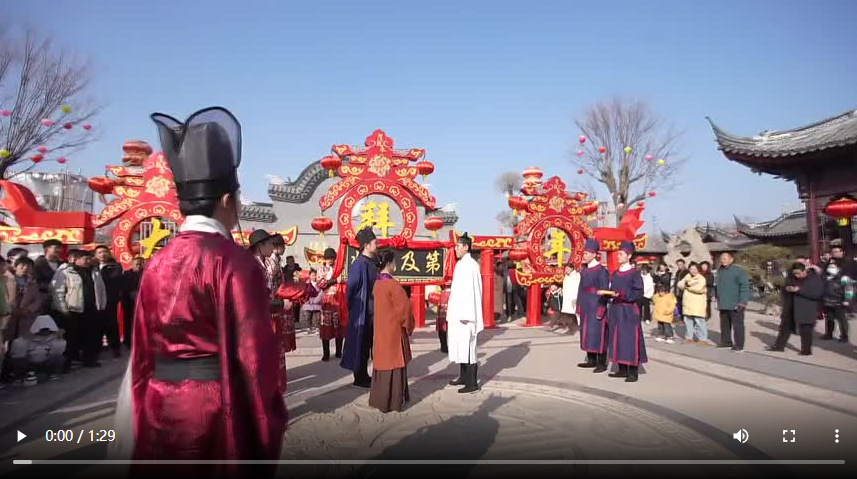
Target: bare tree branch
508 183
36 81
628 177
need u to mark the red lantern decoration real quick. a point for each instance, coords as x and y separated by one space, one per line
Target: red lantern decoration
68 126
37 158
87 127
42 150
651 194
518 254
842 209
101 185
433 224
322 224
639 204
580 171
331 164
590 208
434 298
61 160
649 157
582 139
5 112
517 203
425 168
601 149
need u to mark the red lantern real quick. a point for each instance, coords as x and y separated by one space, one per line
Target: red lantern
433 223
87 127
101 185
517 203
518 255
425 168
649 157
434 298
61 160
651 194
5 112
331 164
42 150
590 208
639 204
582 139
601 149
842 209
580 171
37 158
322 224
68 126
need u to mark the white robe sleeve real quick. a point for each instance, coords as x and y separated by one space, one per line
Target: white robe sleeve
122 448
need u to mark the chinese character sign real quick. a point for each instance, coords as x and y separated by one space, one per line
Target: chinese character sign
412 266
376 215
558 248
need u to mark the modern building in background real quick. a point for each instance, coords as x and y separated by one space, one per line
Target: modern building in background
61 191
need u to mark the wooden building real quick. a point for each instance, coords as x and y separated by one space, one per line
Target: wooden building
819 158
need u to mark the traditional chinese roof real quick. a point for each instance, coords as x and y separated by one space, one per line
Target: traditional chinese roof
655 244
262 213
834 132
302 189
788 224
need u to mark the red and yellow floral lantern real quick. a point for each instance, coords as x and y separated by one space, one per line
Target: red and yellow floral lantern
842 209
517 255
331 164
532 177
434 298
425 168
322 225
433 224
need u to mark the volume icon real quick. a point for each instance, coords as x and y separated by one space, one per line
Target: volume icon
741 436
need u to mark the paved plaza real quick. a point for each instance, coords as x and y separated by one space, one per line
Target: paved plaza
535 404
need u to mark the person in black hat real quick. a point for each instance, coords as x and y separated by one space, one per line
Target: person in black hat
332 326
203 362
361 281
628 348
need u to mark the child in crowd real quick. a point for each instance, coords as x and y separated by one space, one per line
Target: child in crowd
554 302
664 312
311 310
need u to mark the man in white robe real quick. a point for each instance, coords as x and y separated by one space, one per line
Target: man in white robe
464 316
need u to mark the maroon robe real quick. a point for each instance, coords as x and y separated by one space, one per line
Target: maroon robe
203 296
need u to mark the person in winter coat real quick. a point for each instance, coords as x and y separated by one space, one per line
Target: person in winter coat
802 301
80 295
554 302
570 287
648 291
130 287
693 304
835 303
705 270
663 311
41 348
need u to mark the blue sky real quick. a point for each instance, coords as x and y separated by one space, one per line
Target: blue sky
485 87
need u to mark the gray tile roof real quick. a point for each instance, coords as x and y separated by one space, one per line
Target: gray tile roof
262 213
302 189
837 131
788 224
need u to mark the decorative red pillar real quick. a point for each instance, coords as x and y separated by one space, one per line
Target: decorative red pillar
418 301
812 225
486 267
534 305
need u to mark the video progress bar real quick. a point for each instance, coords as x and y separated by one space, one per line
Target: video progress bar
422 462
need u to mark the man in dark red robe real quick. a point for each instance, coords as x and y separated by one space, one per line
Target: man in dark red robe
204 364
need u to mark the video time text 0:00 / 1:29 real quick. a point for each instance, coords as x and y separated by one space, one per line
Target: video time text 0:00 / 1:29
69 435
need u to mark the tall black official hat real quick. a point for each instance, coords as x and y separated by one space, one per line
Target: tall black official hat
203 152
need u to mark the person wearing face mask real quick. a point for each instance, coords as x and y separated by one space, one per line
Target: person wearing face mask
835 302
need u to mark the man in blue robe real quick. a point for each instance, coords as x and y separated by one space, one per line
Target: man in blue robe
591 309
627 348
358 295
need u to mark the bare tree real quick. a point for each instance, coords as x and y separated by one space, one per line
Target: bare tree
507 221
40 82
628 176
508 183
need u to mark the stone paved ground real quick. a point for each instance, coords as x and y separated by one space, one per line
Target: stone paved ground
534 404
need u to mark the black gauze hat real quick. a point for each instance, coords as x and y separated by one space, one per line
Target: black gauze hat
465 240
365 236
203 152
259 236
330 253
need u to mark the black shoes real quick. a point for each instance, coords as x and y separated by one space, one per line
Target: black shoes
599 369
774 349
843 339
827 337
462 375
587 365
469 376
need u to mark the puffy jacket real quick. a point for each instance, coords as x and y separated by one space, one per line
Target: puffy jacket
834 291
67 287
694 301
663 310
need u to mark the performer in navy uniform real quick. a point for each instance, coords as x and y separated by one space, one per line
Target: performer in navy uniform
591 309
361 309
627 347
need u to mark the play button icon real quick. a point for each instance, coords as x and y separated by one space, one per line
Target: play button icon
21 436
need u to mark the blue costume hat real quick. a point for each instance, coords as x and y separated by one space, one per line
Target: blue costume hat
627 246
590 245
